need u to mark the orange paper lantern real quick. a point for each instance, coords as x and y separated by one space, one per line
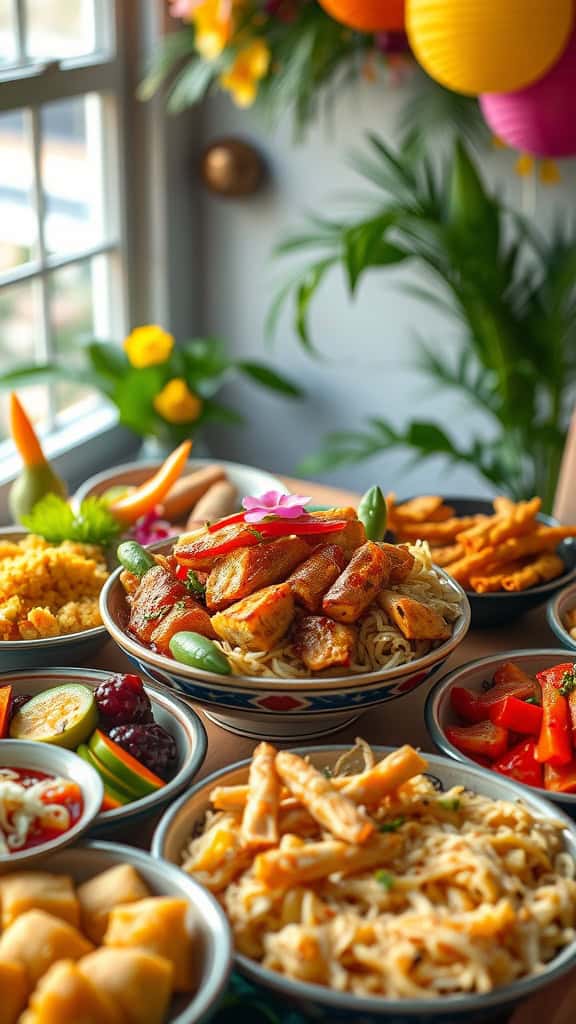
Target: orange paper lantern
476 46
367 15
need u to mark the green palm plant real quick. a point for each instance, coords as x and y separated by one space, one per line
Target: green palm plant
511 290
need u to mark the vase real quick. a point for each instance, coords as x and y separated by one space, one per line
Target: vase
153 449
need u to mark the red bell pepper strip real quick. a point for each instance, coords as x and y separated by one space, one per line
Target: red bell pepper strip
299 527
481 740
556 677
572 711
237 517
5 706
517 715
467 705
560 779
519 763
509 672
508 683
554 744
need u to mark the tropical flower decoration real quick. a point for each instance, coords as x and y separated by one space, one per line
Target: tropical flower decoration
161 389
280 54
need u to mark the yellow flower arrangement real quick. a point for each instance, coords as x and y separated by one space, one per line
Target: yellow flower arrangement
148 346
242 78
176 403
214 27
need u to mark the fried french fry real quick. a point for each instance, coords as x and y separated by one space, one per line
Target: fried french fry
521 521
334 812
260 819
545 538
436 533
491 583
503 506
386 776
443 556
426 509
476 537
285 867
545 568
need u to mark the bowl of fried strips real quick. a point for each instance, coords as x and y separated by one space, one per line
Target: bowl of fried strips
375 884
508 556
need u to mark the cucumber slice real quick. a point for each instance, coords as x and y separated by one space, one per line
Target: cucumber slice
112 784
127 769
64 715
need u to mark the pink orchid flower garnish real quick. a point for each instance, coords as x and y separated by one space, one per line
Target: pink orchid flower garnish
274 503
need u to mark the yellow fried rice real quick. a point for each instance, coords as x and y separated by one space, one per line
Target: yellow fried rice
48 590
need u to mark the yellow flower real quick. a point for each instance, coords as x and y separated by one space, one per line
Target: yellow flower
250 65
148 346
214 25
176 403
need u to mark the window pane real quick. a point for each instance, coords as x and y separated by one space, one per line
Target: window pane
60 28
70 292
17 216
19 330
7 33
72 172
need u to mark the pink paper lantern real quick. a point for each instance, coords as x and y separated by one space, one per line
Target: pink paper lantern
540 119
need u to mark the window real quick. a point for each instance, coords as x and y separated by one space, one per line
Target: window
63 251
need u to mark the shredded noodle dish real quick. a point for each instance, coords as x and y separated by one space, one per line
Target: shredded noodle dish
378 884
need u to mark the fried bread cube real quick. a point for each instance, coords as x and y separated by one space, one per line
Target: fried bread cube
322 643
99 895
257 622
139 983
246 570
37 940
66 996
159 925
21 891
311 580
14 989
416 621
359 583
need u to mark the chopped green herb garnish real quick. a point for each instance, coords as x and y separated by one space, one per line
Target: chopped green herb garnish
158 614
450 803
568 683
391 826
327 773
55 520
194 586
530 700
256 533
385 879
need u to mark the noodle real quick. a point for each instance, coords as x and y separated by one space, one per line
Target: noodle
381 645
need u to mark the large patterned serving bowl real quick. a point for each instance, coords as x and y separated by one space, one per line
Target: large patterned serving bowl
268 706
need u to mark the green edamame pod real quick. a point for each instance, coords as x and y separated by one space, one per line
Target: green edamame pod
372 511
134 557
199 652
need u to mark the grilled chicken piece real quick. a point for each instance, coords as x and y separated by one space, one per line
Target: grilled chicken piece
322 643
242 572
414 620
158 591
311 580
401 562
351 537
195 550
186 614
258 622
356 587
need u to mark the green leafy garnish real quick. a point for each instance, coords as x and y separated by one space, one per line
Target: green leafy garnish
531 700
327 772
450 803
385 879
568 683
55 520
391 826
194 586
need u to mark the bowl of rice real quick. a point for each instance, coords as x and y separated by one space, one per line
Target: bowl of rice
272 694
49 600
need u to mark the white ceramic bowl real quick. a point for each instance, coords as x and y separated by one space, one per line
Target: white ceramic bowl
558 605
187 815
246 479
176 716
43 757
268 706
207 919
439 714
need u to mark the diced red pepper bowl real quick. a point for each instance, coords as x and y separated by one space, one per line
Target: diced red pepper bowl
443 720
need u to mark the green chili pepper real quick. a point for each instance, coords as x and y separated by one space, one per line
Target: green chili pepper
372 511
199 652
134 557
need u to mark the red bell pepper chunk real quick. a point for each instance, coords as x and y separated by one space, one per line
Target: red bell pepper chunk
519 763
554 744
572 711
5 706
560 779
555 675
481 740
509 681
467 705
517 715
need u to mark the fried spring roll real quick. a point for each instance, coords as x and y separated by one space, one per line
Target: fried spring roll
416 621
260 819
385 777
327 806
311 580
242 572
217 502
282 868
356 587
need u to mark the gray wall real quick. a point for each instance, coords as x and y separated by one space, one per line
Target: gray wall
367 345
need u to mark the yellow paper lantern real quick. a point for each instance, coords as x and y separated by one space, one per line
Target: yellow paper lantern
475 46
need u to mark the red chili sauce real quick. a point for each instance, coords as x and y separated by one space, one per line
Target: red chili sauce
65 793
